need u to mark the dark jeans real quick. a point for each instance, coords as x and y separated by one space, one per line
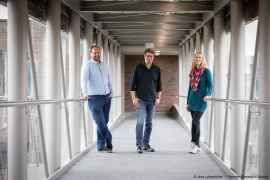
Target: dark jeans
195 127
144 113
100 108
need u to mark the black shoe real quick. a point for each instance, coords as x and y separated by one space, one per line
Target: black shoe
109 145
105 150
139 150
148 148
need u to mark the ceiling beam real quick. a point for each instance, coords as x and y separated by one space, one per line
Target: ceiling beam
146 6
147 32
163 26
148 37
156 44
120 18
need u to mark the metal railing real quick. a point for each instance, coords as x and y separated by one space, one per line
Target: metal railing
62 104
247 133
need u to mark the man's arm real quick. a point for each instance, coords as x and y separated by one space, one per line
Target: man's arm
84 81
110 86
158 98
134 99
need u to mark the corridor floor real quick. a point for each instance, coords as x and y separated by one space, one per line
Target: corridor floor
170 161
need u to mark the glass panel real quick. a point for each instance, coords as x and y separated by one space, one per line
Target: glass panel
64 139
252 154
35 162
3 49
227 145
35 166
3 144
3 75
82 133
3 93
38 33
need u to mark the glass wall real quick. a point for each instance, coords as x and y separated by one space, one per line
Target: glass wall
3 93
35 159
252 155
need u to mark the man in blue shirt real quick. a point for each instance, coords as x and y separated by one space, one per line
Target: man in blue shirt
145 87
97 89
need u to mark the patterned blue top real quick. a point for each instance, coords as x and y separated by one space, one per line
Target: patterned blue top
205 88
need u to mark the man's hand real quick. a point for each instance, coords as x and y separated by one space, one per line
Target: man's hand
136 102
187 109
110 95
85 97
157 101
206 98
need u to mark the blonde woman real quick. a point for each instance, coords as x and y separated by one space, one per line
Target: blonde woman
200 90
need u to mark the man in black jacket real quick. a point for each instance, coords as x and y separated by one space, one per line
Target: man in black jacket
145 87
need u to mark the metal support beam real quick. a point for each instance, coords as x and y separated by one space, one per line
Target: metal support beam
237 90
74 81
264 87
87 43
149 32
120 18
219 75
145 26
198 42
146 6
17 88
52 85
208 54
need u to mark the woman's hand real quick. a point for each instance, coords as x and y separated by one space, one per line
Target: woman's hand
206 98
187 108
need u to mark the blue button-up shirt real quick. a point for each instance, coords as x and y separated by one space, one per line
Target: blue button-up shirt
95 79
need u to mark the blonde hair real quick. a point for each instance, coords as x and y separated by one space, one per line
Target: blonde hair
202 65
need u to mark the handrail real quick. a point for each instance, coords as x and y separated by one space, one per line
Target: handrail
246 102
38 102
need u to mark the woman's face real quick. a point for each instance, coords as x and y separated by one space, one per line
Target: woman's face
198 59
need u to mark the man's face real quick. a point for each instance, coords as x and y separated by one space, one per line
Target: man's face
148 58
95 54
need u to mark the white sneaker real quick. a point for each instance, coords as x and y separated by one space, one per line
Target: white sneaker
199 150
195 149
191 146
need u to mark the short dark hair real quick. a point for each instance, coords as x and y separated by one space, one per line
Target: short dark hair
90 49
149 50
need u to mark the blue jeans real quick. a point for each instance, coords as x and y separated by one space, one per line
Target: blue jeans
145 111
100 108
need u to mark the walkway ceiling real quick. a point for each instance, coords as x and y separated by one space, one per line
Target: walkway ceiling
136 22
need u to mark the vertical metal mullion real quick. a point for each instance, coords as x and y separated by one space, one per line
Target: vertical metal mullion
251 98
64 96
33 70
226 110
211 123
84 124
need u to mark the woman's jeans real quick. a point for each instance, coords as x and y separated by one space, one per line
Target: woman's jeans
100 107
195 127
145 111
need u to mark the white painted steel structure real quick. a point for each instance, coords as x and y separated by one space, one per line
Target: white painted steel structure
87 43
17 130
53 86
207 36
74 84
264 86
